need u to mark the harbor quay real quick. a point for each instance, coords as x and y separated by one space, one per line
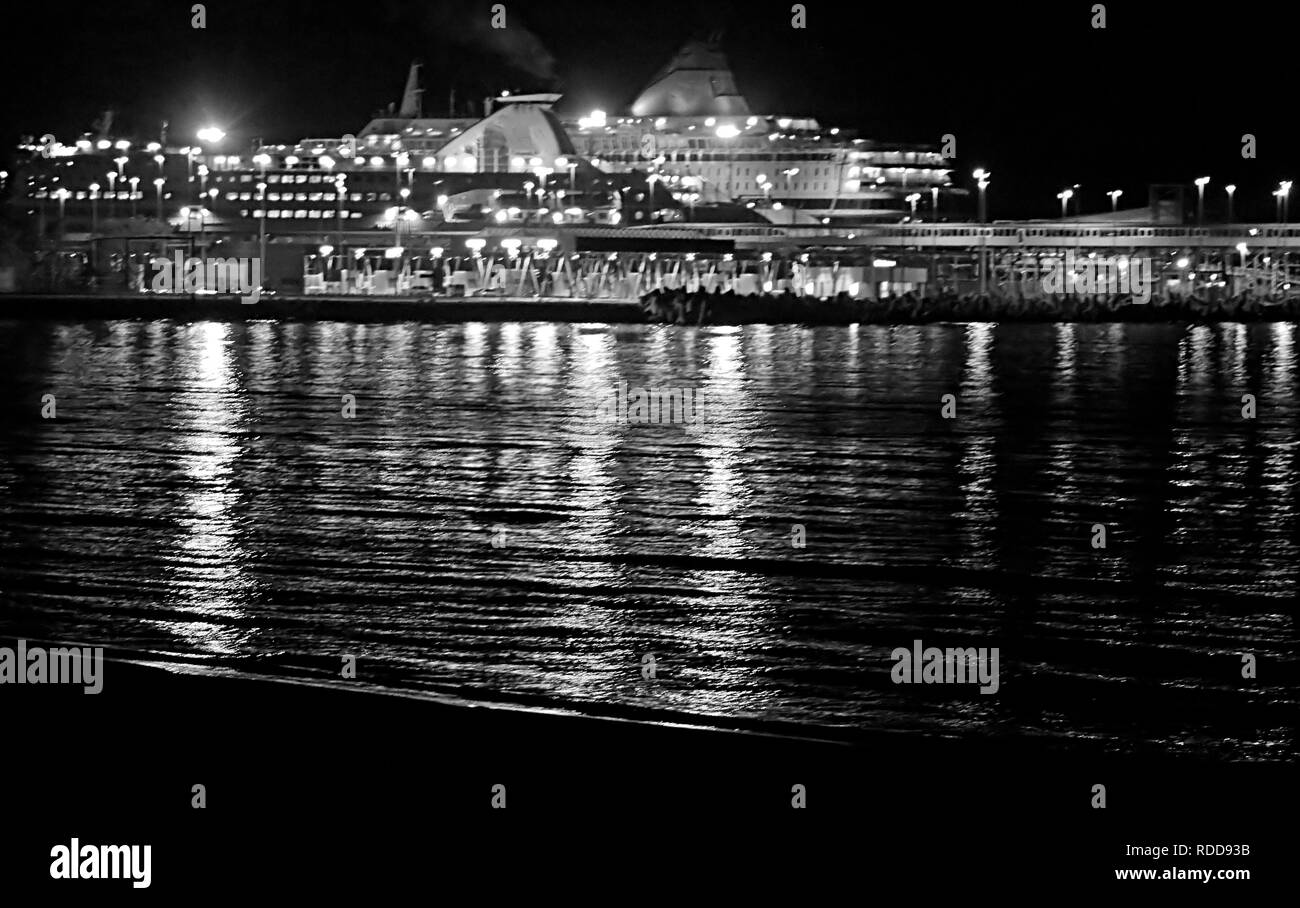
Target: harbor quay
1023 259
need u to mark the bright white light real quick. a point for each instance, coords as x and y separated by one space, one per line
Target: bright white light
547 243
500 217
393 252
327 250
727 131
210 134
596 120
710 122
883 263
475 244
1182 262
1201 181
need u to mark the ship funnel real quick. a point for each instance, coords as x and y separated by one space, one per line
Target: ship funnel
411 96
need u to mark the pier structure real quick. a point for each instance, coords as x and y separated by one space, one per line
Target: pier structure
1005 258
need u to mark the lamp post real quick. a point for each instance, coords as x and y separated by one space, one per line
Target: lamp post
564 163
1285 189
158 187
261 232
934 203
340 189
982 181
190 152
121 161
913 199
1200 199
112 193
1230 189
94 208
203 180
62 195
1065 195
404 193
1114 199
134 181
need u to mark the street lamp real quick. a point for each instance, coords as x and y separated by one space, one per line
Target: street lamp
261 200
1284 188
134 181
112 193
1114 199
158 186
1230 189
340 191
913 199
62 196
982 177
1065 195
1200 199
120 162
572 166
934 203
94 208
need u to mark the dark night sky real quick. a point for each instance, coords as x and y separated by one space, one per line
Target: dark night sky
1032 92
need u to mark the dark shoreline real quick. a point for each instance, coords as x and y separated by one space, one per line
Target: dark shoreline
289 768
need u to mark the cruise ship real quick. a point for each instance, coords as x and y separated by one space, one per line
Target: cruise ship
687 149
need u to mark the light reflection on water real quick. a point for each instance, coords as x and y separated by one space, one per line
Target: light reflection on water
202 494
